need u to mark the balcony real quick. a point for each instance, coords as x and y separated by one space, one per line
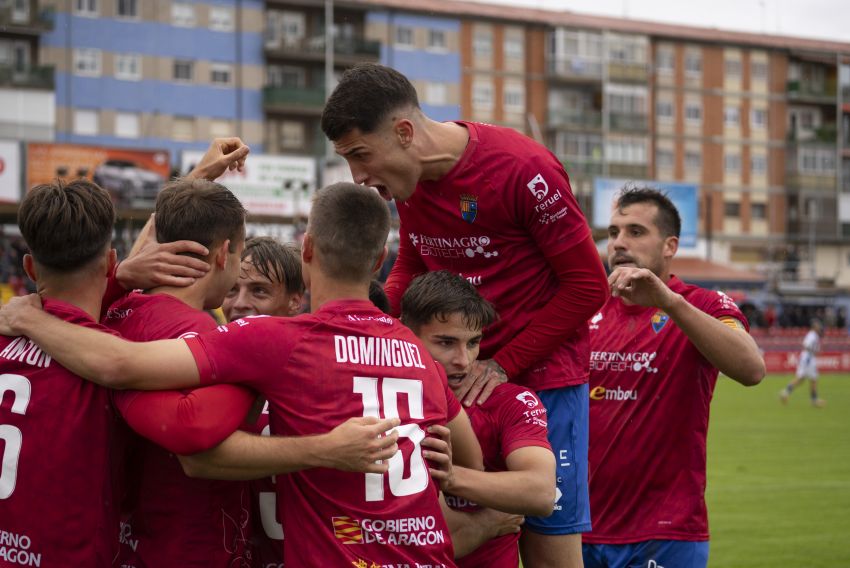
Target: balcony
26 23
628 122
575 68
294 99
575 119
825 134
811 180
347 51
805 91
629 171
629 71
582 166
27 78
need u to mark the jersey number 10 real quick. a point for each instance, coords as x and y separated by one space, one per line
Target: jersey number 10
11 435
391 388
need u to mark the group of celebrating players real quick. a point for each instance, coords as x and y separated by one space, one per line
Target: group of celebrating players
520 394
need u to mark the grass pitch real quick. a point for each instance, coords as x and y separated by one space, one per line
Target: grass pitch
779 476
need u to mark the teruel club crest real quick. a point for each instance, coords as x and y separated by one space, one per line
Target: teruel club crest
468 207
659 320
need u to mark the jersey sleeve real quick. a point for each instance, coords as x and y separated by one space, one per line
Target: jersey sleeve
719 305
114 292
523 420
544 204
186 422
245 351
407 266
453 407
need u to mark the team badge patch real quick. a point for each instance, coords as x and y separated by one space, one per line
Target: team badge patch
659 320
468 207
347 530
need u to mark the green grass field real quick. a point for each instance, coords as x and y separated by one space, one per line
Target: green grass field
779 476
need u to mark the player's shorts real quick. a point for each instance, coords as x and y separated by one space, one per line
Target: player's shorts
647 554
807 367
567 411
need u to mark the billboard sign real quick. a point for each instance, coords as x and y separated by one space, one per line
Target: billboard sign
280 186
10 172
132 177
685 196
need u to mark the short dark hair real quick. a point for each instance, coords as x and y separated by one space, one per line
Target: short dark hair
349 224
667 220
378 297
66 225
365 95
199 210
279 262
439 295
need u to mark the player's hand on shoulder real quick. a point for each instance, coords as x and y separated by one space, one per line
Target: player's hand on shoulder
223 154
640 286
15 310
163 264
486 375
437 449
360 444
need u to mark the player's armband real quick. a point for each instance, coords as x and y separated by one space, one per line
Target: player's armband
733 323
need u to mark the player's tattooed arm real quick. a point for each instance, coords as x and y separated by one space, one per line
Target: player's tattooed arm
223 154
358 444
486 374
470 530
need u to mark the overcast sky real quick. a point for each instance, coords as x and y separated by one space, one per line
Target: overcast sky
818 19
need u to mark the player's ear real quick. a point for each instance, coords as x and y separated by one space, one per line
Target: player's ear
307 249
295 301
221 254
671 246
403 129
29 267
380 262
111 261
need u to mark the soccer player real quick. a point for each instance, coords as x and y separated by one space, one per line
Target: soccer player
496 207
346 359
656 348
61 437
446 312
269 282
807 368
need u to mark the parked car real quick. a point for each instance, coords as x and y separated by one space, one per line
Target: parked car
129 185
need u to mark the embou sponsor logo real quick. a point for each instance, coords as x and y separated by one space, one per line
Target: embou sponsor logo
453 247
619 362
601 393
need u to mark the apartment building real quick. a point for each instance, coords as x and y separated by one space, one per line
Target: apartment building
167 74
27 100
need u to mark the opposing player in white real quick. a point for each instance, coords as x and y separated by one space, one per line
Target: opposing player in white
807 367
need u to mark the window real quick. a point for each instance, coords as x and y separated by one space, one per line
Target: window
579 147
514 48
626 151
286 76
730 116
664 159
221 19
693 160
21 11
127 125
85 7
128 66
758 164
482 96
693 112
693 64
87 62
436 94
758 210
183 15
664 110
404 37
220 129
482 44
183 129
183 70
126 9
732 163
732 208
437 40
514 98
758 118
732 67
220 73
665 61
758 70
86 122
291 134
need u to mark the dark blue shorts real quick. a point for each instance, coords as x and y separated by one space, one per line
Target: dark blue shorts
567 411
647 554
